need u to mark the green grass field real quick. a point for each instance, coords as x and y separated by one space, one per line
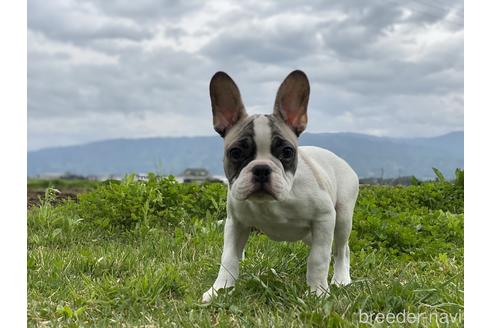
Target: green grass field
141 254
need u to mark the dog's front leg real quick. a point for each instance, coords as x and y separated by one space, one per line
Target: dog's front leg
318 261
235 237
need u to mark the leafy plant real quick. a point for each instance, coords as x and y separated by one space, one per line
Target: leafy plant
440 177
159 201
459 178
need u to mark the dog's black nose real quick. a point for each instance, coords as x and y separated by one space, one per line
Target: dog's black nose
261 173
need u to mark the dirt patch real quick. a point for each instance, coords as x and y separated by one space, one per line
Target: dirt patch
34 197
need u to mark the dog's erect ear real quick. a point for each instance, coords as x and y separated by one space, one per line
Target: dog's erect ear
292 101
227 106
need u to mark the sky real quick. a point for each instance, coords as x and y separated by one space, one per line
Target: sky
101 69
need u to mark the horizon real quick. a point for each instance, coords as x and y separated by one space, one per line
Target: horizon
215 135
369 155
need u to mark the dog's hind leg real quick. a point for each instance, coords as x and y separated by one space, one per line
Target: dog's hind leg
343 227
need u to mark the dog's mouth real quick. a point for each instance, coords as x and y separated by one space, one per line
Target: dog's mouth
262 192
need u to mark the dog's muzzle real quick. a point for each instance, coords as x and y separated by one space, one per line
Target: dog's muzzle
261 175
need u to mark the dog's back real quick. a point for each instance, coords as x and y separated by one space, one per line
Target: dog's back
333 171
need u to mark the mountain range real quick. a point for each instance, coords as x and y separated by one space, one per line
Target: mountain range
370 156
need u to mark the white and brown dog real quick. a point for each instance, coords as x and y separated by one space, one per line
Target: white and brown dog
288 192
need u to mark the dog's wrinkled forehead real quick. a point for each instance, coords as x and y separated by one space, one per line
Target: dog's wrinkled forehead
243 129
280 129
261 129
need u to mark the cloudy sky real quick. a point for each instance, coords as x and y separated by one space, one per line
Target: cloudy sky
101 69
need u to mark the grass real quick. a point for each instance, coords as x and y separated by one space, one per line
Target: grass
134 254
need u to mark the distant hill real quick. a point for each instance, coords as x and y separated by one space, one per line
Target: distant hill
370 156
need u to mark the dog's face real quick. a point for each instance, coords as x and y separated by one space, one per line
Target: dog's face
260 151
260 158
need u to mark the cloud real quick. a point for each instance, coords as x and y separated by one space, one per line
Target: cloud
76 22
107 69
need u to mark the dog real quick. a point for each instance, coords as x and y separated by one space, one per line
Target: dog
288 192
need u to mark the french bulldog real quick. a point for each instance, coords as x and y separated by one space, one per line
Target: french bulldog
288 192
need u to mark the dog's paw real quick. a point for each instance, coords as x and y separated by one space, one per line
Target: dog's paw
341 281
318 291
213 292
209 295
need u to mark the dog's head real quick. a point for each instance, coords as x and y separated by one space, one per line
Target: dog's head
260 157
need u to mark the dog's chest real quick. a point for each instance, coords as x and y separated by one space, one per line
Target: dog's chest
280 221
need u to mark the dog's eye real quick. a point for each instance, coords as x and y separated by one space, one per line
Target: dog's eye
235 153
287 153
